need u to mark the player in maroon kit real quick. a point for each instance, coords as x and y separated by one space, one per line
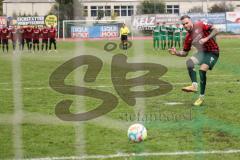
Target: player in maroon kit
45 36
5 34
202 36
14 37
21 37
52 36
36 35
28 37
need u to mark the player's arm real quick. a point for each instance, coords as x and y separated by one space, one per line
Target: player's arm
9 34
213 33
181 53
120 33
128 31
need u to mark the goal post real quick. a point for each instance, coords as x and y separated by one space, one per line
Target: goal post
82 29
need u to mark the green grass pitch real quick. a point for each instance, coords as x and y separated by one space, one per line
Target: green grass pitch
27 105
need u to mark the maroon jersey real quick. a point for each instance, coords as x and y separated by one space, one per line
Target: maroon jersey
36 33
200 30
28 33
44 33
52 33
21 33
4 33
14 34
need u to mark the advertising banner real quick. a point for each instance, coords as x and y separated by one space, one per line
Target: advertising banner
51 20
30 20
147 22
213 18
143 22
79 32
233 22
3 21
98 31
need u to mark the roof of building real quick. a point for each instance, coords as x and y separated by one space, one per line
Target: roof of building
29 1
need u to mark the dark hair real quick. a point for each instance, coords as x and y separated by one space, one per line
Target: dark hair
185 16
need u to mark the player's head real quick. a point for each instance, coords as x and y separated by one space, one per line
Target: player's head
157 23
163 23
186 22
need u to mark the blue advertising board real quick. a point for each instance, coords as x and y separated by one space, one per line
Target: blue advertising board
97 31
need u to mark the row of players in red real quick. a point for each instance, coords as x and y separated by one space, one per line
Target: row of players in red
30 35
27 33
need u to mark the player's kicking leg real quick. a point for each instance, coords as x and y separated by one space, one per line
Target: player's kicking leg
192 74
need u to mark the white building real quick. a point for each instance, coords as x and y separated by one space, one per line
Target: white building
123 8
28 7
126 8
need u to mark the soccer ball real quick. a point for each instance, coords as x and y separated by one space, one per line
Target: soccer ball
137 133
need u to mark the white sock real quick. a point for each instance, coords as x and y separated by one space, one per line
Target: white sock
195 84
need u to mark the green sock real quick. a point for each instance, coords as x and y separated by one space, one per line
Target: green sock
192 75
203 79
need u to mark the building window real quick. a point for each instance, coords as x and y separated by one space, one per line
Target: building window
130 10
85 13
172 9
93 11
117 10
107 10
123 10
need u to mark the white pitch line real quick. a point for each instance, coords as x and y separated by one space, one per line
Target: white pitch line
25 82
126 155
110 86
173 103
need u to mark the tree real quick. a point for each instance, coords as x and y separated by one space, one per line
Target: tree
1 7
14 15
151 7
68 9
196 9
221 7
